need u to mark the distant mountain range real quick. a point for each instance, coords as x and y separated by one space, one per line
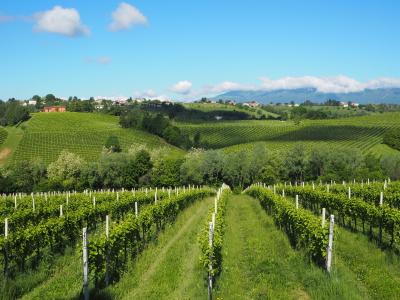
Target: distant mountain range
383 95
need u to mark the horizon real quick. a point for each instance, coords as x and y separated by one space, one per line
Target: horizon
153 50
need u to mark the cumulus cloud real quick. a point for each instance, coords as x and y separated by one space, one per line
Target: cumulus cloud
182 87
126 16
59 20
336 84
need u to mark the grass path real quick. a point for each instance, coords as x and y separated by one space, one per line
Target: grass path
375 269
7 149
167 269
259 263
170 268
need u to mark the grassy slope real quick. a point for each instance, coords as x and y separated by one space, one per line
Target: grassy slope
3 135
259 263
363 133
44 136
167 269
7 149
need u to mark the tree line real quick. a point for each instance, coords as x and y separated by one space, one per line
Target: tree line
12 113
140 167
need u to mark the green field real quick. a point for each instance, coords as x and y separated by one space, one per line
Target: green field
3 135
258 262
364 133
44 136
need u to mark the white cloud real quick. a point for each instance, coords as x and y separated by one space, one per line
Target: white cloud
59 20
126 16
182 87
151 94
4 18
227 86
336 84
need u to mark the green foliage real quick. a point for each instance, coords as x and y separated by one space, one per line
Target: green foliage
212 254
392 138
384 217
158 124
47 134
3 135
166 172
362 132
303 228
66 169
128 237
112 144
12 113
50 231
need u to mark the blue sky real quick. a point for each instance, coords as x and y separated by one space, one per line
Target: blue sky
187 49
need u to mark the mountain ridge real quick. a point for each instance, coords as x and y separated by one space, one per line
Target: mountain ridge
373 96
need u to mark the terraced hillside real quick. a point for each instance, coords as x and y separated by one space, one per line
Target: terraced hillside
364 133
46 135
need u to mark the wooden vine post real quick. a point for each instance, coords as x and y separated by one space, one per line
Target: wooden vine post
330 244
85 265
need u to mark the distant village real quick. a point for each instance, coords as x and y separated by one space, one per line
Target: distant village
99 103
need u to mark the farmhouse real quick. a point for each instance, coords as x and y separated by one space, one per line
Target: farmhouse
54 109
251 104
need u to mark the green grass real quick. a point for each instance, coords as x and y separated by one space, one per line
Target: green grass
259 263
45 135
54 273
14 136
363 133
3 135
168 268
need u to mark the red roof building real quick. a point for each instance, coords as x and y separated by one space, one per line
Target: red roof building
54 109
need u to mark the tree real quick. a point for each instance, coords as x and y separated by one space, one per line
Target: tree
50 99
296 163
197 140
236 169
166 172
66 170
112 144
191 168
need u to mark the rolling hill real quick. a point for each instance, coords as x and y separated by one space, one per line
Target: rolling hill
363 133
45 135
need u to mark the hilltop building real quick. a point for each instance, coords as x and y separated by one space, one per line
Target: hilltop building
54 109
